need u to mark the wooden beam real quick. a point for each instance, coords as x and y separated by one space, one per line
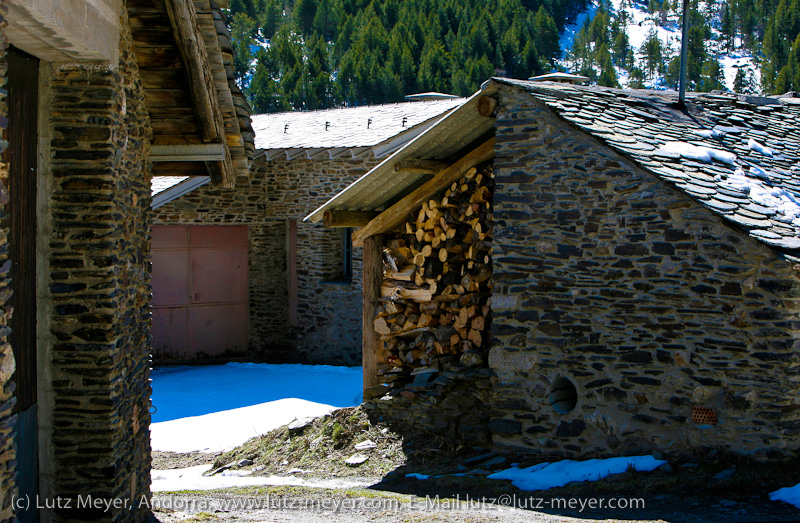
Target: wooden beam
347 218
420 166
193 50
202 152
486 106
373 280
398 213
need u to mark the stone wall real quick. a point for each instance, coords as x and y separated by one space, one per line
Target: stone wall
7 365
98 262
328 327
671 329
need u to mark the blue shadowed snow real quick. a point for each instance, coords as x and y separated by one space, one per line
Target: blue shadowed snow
545 476
790 495
182 391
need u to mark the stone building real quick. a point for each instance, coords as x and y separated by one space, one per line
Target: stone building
290 291
97 95
632 261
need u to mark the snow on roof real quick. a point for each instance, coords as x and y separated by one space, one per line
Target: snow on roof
160 184
348 127
164 189
737 155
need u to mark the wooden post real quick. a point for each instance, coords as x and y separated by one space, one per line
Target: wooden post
292 272
373 279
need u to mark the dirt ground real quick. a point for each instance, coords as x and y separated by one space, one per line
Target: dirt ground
471 499
709 488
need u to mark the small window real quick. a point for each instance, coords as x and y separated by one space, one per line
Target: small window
342 273
347 254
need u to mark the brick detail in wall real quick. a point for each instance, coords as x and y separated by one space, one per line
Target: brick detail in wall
645 301
329 315
7 365
100 285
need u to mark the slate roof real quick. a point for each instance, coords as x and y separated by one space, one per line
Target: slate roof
349 127
738 156
164 189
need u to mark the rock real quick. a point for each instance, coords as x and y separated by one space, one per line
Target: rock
356 460
295 471
423 379
299 424
244 463
375 392
479 458
665 468
691 465
471 359
366 444
725 474
220 470
494 462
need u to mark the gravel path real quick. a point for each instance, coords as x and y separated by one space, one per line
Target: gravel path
302 504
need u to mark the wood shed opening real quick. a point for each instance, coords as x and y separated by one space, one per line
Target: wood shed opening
563 395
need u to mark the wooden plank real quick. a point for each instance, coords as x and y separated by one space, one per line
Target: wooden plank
179 169
373 280
398 213
204 152
415 166
202 85
347 218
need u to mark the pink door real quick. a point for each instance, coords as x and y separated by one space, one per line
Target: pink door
200 293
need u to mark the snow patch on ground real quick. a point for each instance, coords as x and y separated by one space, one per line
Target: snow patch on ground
545 476
790 495
182 391
218 407
226 430
567 37
192 479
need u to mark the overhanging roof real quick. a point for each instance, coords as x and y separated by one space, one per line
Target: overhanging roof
443 141
735 155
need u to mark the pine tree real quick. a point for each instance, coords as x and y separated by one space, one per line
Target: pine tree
608 75
546 34
653 54
304 13
713 79
242 30
727 27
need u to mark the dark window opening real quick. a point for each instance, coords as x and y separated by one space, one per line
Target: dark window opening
563 396
343 274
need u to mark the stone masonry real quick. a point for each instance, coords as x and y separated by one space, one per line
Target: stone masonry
627 317
99 285
7 365
328 327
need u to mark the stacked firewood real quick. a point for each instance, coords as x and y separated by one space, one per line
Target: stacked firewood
436 294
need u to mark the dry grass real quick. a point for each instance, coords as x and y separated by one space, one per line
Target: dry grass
321 448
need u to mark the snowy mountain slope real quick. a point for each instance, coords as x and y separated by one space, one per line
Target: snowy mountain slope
638 23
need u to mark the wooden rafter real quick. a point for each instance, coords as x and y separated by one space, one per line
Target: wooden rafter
347 218
193 50
397 213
